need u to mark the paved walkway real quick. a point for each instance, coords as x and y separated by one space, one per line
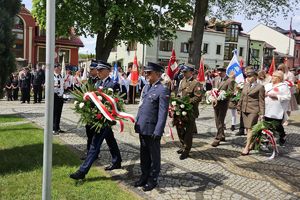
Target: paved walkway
210 173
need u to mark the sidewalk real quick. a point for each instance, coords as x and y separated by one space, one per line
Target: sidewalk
210 173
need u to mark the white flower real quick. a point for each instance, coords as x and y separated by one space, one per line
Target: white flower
75 102
184 113
182 106
177 113
100 87
110 90
173 103
100 98
81 105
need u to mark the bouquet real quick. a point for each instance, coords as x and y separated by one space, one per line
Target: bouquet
100 107
215 95
238 92
262 132
179 110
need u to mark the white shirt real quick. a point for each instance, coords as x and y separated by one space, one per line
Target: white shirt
276 108
58 84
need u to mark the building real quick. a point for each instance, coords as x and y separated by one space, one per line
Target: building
219 40
30 44
260 54
285 42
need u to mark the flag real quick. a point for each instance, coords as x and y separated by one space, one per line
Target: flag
115 75
234 66
242 63
172 65
134 72
201 76
63 67
84 75
291 30
272 67
262 63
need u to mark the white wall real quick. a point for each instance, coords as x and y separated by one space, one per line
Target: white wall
274 38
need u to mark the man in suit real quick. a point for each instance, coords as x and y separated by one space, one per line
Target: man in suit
150 124
106 133
38 81
220 108
188 87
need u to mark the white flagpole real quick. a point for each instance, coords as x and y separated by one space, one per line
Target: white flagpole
50 48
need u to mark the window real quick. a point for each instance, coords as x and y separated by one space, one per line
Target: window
205 48
18 31
241 51
64 53
217 66
297 54
232 33
131 46
218 51
165 45
255 53
41 55
184 47
228 51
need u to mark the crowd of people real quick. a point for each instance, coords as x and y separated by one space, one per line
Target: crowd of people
263 97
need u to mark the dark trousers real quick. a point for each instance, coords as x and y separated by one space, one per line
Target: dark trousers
15 94
220 113
97 140
131 94
90 134
57 110
242 128
279 127
9 94
150 158
185 134
37 93
25 92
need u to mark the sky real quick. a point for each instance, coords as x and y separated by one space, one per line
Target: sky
89 43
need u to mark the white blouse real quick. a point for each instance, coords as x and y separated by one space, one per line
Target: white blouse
276 108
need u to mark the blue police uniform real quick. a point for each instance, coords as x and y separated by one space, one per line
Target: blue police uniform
105 133
150 124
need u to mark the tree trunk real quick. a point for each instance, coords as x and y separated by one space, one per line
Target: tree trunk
201 7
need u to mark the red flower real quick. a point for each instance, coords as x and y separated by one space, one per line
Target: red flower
86 98
98 116
257 140
276 89
116 100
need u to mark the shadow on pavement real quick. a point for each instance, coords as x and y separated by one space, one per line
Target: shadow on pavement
214 154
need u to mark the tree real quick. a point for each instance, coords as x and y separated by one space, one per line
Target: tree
264 10
117 20
8 10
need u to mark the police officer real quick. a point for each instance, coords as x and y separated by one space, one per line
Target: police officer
220 108
150 124
58 99
106 133
188 87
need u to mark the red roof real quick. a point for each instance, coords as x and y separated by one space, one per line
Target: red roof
73 41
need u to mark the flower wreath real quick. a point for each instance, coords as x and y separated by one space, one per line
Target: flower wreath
215 95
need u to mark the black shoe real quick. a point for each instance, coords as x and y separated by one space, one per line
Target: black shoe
140 183
61 131
240 133
223 139
282 141
77 175
180 151
149 187
183 156
232 128
113 166
55 132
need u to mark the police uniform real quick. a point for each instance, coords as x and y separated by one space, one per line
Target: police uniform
105 133
58 101
188 87
38 79
150 124
220 109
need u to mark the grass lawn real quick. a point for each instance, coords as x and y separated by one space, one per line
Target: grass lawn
21 163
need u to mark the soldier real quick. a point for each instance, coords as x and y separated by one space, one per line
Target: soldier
104 133
58 99
25 85
38 81
150 124
221 107
188 87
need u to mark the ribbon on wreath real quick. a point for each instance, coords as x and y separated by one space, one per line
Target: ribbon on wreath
272 140
105 112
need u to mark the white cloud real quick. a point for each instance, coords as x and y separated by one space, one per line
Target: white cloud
89 45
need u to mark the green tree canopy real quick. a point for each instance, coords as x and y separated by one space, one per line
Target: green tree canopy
116 20
8 10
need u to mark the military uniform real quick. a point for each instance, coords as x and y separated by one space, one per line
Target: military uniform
150 123
189 87
220 110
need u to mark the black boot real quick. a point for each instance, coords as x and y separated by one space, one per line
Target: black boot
77 175
232 127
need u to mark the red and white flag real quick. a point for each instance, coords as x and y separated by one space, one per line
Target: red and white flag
134 72
272 67
201 75
241 63
172 66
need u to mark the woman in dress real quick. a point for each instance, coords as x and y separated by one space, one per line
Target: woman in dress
251 106
277 99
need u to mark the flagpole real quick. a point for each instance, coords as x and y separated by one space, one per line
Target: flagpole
158 35
49 100
288 53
